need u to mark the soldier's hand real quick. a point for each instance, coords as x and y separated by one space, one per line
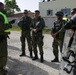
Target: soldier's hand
35 30
72 30
53 35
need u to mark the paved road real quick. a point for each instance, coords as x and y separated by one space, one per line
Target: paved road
24 65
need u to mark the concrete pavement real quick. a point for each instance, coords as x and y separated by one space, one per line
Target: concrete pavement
24 65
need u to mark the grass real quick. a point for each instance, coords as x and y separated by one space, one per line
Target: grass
16 28
46 31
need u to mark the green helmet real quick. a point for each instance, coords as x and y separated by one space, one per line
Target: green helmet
59 13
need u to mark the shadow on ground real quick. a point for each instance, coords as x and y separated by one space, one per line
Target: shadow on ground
51 64
16 67
13 48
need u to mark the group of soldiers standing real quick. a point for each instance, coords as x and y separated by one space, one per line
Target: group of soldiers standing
36 26
32 31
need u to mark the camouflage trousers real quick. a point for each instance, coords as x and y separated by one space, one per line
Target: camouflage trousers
25 35
3 55
37 41
55 45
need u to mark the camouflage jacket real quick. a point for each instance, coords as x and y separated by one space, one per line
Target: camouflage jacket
25 23
38 24
58 28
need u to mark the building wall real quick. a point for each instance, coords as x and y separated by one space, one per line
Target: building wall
49 22
55 5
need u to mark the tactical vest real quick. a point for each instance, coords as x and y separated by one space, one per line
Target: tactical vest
5 22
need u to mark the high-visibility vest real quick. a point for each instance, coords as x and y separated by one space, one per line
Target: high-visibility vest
5 22
66 19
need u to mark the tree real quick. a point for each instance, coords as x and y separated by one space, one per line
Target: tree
11 6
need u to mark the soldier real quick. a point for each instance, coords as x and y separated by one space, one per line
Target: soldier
58 34
4 31
37 36
24 24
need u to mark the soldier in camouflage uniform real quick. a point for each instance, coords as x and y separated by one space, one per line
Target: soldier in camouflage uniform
58 34
25 24
37 35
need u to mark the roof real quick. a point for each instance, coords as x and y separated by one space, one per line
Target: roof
21 14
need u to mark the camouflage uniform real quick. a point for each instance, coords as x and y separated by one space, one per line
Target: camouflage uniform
37 37
58 40
24 24
59 32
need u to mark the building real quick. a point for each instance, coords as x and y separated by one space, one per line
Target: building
50 7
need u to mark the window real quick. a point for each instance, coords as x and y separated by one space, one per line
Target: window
66 11
49 12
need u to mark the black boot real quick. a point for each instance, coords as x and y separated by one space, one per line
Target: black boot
3 72
55 60
23 54
31 56
36 57
41 58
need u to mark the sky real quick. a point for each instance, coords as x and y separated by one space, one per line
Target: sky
31 5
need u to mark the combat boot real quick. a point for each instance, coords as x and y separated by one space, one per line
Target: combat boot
3 72
23 54
31 56
36 57
41 58
55 60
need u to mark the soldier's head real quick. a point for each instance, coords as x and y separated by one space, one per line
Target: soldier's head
1 6
25 13
59 14
73 11
37 13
